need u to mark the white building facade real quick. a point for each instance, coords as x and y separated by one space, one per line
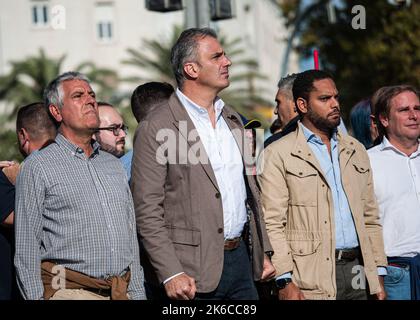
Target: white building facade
101 31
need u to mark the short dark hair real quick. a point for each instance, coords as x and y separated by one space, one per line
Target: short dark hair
304 83
148 95
185 49
36 119
381 101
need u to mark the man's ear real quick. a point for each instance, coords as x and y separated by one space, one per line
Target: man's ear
191 70
302 105
384 120
55 112
22 136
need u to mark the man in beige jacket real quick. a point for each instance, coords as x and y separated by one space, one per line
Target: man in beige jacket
319 205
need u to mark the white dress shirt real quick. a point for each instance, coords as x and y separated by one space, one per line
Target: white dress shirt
226 161
397 188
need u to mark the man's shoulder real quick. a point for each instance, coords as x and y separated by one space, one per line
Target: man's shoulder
42 156
284 143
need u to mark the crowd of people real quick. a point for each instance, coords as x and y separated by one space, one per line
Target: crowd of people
321 215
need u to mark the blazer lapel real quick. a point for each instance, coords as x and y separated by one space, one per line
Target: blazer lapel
185 125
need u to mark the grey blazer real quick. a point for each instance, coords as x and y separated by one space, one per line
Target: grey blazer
178 205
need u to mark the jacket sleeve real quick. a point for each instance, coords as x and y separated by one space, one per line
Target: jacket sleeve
274 200
372 221
149 173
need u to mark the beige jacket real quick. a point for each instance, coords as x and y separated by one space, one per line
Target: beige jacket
178 205
299 212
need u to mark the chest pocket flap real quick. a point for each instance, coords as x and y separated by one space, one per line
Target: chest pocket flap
302 185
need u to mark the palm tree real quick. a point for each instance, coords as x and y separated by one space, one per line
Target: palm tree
27 79
243 95
25 84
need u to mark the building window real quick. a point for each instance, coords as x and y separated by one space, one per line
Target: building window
40 11
104 17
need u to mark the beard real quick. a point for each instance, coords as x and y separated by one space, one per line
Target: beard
111 149
323 124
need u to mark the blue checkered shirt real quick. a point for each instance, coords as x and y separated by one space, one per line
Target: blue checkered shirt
77 212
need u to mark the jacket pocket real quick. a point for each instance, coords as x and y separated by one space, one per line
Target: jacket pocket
184 236
187 248
307 259
302 185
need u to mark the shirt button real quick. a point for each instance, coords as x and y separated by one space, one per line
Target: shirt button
220 230
328 259
217 195
348 152
325 222
300 173
323 185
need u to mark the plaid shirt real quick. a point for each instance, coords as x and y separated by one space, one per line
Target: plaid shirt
77 212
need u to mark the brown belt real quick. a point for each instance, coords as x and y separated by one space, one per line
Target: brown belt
232 244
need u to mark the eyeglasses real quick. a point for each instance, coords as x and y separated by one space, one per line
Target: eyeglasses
116 129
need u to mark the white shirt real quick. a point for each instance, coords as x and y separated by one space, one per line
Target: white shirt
225 159
397 188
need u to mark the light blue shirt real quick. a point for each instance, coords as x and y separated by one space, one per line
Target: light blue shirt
225 160
345 230
126 162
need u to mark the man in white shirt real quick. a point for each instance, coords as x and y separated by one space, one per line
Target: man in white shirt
396 169
193 201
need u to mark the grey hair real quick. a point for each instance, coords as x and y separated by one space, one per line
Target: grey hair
185 49
285 85
53 93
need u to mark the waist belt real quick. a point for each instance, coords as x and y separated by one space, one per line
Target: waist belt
232 244
347 254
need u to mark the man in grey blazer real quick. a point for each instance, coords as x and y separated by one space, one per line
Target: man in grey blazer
198 212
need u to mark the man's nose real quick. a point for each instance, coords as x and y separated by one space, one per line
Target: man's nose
414 114
228 62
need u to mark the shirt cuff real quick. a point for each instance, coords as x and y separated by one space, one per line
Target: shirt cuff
382 271
170 278
285 275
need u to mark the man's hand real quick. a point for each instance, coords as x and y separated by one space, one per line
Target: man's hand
268 270
4 164
291 292
381 295
11 172
182 287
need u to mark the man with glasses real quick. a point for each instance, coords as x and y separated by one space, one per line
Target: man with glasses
112 131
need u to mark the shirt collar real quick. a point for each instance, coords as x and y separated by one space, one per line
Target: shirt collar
312 137
197 110
74 149
386 145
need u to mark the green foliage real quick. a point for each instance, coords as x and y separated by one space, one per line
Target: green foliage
387 52
25 84
243 94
